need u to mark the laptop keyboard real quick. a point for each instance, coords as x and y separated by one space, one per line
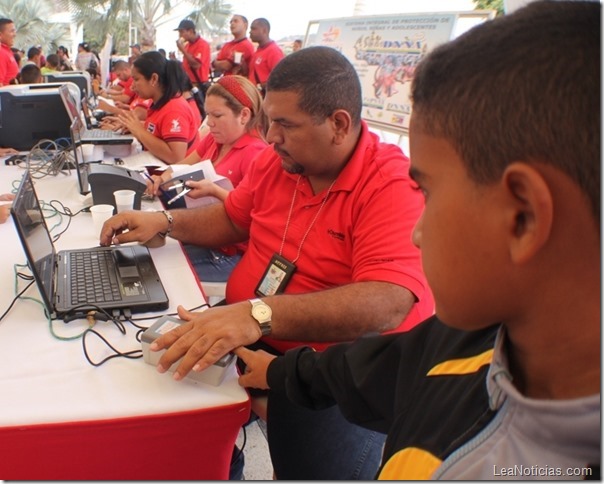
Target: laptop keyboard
93 277
100 134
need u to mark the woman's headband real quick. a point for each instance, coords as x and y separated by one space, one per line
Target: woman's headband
234 88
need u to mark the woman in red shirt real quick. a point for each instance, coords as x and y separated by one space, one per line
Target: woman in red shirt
237 126
170 130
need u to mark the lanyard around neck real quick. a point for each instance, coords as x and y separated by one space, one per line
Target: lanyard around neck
289 216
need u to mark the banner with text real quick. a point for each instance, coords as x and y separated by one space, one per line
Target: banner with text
385 51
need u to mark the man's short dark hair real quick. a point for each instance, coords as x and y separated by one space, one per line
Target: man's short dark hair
120 64
242 17
525 86
4 22
263 23
33 52
324 79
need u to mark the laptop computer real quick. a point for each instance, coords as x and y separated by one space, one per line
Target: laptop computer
92 136
122 277
81 166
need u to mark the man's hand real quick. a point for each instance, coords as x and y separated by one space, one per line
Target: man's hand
256 367
133 226
206 337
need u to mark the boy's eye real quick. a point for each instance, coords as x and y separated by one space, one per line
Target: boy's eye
417 188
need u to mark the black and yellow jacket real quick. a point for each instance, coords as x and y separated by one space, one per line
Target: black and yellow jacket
427 389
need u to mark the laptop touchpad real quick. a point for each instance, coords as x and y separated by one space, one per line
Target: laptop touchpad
126 264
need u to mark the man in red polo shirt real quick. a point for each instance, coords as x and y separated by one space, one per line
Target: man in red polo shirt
121 91
328 211
196 54
267 55
234 56
9 69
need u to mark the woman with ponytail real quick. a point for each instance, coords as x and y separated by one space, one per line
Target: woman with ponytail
170 131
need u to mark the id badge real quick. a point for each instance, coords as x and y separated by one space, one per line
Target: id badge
276 276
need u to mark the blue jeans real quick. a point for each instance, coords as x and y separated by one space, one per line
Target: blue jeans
211 265
321 445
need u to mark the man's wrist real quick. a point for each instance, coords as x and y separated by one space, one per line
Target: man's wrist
170 220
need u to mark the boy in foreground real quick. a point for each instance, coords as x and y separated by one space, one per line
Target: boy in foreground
505 146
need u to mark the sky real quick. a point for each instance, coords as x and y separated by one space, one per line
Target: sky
291 18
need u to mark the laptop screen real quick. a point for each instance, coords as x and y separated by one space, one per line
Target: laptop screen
35 237
82 168
71 105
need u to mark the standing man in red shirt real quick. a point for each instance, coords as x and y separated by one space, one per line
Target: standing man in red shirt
196 54
267 55
235 56
9 69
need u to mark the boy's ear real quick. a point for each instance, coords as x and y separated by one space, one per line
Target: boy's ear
530 210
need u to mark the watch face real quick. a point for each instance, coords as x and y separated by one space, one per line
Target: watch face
261 312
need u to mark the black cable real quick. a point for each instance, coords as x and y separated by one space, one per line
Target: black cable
66 211
15 299
134 354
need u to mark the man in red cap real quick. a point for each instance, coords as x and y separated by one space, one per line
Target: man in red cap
196 54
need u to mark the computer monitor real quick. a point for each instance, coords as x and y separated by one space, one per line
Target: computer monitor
74 89
80 78
30 115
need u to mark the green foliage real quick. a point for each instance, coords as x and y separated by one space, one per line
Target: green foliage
99 17
490 5
31 19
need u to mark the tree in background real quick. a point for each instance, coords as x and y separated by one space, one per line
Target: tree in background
100 17
490 5
32 20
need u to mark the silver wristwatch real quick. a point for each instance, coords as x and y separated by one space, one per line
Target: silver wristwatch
262 313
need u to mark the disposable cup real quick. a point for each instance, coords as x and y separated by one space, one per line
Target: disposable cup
100 213
237 57
124 200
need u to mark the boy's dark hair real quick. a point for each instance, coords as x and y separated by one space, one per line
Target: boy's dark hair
324 79
525 86
53 60
170 74
30 74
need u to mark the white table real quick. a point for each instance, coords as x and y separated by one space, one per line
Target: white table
62 418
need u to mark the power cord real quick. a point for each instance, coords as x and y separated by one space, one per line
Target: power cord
48 157
127 318
18 275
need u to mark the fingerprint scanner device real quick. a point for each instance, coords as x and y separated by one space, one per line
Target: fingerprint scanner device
106 179
173 191
214 375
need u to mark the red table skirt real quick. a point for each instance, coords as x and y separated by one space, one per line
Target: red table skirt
194 445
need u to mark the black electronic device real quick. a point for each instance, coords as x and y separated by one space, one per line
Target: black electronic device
79 78
30 115
106 179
